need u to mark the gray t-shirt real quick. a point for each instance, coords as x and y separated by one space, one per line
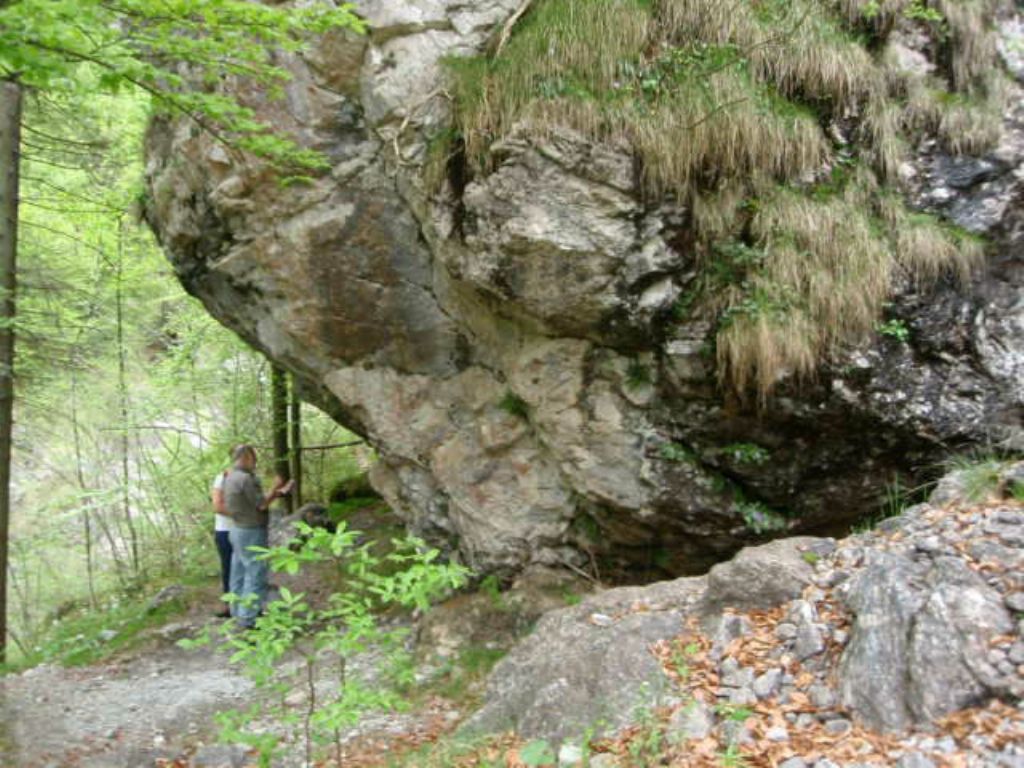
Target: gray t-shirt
243 497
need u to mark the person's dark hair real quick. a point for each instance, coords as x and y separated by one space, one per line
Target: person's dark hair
242 450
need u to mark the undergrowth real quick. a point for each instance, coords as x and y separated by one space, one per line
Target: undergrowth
731 108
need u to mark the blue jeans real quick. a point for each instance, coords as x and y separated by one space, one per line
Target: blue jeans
248 575
224 550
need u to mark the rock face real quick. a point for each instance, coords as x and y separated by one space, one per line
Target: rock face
507 344
887 631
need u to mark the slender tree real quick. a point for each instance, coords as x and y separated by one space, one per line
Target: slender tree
10 147
295 427
279 424
174 51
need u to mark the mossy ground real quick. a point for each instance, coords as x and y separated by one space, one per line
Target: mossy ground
780 125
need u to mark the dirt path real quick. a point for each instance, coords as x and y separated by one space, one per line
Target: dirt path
156 709
127 713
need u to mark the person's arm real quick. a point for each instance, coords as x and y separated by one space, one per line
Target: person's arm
217 496
279 489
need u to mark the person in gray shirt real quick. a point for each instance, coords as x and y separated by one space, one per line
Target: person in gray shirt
249 510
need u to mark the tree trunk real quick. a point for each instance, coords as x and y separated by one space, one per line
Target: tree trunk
122 387
10 147
295 425
279 425
82 486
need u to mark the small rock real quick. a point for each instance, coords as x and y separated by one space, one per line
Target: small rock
785 631
219 756
740 677
777 734
569 755
694 721
603 761
809 641
1016 654
741 697
165 595
914 760
106 635
735 732
768 683
793 762
838 727
825 763
822 696
601 620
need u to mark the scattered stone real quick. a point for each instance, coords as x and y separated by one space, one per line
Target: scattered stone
219 756
166 595
694 721
106 635
838 726
1015 602
793 762
809 641
761 577
786 631
777 734
767 684
821 696
569 755
915 760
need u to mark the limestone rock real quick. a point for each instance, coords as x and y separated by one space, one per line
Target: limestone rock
571 675
507 344
762 577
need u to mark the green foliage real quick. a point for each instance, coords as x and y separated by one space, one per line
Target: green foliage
136 44
747 453
979 474
514 405
724 105
895 329
648 743
326 638
79 639
760 518
811 558
491 586
341 510
678 453
537 753
638 375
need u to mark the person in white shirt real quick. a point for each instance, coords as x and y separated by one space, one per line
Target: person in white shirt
222 537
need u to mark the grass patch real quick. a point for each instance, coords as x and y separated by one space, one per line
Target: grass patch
514 405
460 680
980 475
723 105
338 511
78 640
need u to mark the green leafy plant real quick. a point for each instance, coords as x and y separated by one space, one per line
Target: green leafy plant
638 375
326 638
491 586
537 753
514 405
760 518
747 453
811 558
677 452
895 329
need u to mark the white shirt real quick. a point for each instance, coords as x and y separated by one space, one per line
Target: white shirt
221 522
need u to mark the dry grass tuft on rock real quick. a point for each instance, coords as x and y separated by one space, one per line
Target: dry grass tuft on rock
726 106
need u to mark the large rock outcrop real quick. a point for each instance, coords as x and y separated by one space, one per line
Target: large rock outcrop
507 344
810 648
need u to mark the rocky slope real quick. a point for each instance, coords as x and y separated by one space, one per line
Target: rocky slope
508 343
899 646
